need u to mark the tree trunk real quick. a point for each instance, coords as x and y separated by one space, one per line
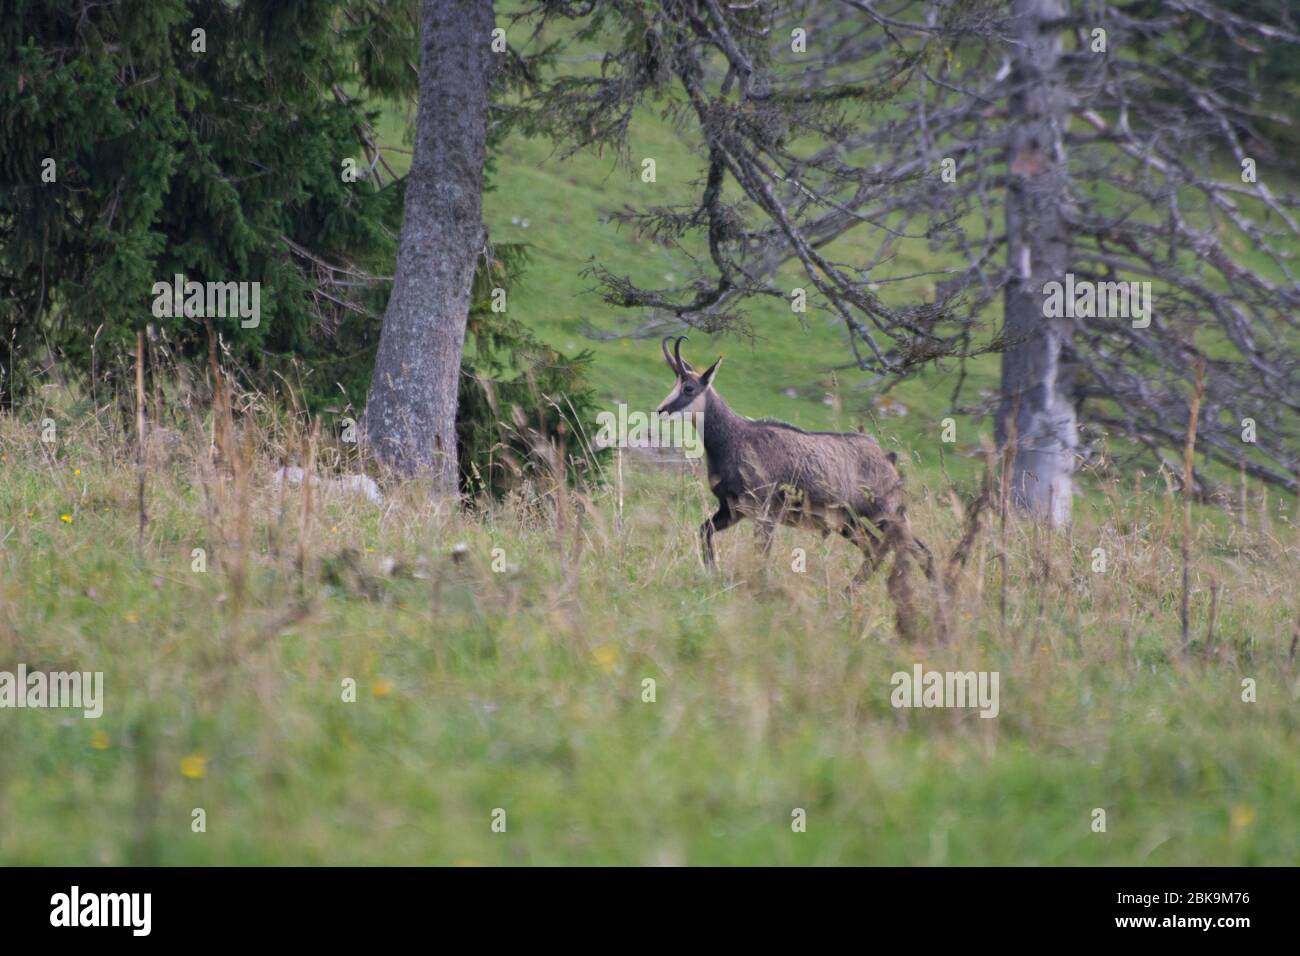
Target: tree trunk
1037 373
410 417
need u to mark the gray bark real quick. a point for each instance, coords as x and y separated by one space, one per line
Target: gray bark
1037 374
410 417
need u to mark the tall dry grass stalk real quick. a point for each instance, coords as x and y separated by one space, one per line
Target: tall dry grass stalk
618 490
305 510
1189 450
1009 448
1243 506
141 459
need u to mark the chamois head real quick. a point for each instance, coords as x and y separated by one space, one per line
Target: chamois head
689 392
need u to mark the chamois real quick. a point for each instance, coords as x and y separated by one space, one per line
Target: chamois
775 473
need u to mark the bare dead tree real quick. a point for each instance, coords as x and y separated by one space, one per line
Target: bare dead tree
1022 146
753 112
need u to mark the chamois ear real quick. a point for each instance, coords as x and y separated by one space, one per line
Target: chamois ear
707 378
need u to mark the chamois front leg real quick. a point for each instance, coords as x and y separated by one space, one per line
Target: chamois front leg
724 519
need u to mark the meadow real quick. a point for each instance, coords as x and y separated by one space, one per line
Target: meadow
499 660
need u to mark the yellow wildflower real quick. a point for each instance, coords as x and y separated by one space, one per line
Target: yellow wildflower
606 656
194 766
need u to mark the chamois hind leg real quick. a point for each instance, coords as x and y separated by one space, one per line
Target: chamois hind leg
899 584
724 519
872 546
900 589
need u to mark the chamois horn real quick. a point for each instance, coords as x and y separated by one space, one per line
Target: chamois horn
682 364
668 357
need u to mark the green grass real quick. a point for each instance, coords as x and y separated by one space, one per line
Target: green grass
522 689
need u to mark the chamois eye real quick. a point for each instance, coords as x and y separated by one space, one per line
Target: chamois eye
689 389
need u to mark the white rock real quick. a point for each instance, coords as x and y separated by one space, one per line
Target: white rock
363 484
350 484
